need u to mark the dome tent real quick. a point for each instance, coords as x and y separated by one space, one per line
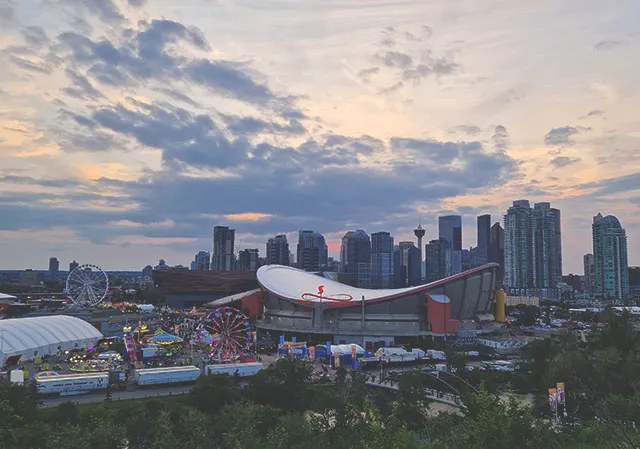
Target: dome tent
38 336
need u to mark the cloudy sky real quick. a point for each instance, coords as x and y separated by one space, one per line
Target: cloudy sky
129 128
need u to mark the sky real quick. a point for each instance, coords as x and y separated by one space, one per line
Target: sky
129 128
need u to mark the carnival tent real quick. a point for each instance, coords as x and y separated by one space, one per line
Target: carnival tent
164 338
33 337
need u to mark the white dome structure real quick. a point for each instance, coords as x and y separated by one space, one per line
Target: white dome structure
38 336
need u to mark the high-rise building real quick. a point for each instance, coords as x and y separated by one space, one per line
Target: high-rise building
355 259
481 253
248 259
518 246
278 251
438 260
589 273
496 251
382 267
610 258
201 261
409 266
54 267
419 233
450 229
73 265
223 248
312 251
546 246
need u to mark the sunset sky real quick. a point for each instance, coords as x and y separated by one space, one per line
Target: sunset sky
129 128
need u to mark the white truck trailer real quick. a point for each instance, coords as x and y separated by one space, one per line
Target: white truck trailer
243 369
170 375
65 385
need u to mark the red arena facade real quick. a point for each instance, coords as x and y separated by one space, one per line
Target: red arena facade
315 307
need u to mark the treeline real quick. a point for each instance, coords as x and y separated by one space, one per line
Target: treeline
281 408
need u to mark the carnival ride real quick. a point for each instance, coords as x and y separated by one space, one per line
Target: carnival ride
87 285
228 333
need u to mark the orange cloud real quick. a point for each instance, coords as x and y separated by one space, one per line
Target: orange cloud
247 216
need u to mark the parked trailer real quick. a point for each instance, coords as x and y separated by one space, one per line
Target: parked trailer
397 355
71 384
171 375
243 369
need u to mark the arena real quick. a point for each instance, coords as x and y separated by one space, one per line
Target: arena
303 303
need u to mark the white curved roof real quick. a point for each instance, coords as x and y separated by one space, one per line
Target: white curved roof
25 336
291 283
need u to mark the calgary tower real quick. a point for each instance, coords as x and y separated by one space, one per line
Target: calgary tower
419 232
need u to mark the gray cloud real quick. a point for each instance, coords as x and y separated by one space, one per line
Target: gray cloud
365 74
106 10
7 11
82 87
136 3
608 44
143 55
470 130
500 138
396 59
610 186
562 136
28 180
40 66
391 89
564 161
35 36
593 113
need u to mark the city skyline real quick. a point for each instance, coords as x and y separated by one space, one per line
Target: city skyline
213 113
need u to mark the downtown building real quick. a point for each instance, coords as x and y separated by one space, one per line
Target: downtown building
610 258
54 268
532 248
382 260
438 260
589 273
248 259
312 252
407 265
201 261
278 251
223 258
450 229
481 253
355 259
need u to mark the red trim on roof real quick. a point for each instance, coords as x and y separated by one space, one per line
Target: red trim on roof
356 303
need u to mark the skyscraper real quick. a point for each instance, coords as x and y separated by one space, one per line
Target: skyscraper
438 259
419 233
610 258
546 246
73 265
496 250
450 229
54 267
312 251
518 246
223 248
202 261
481 255
409 260
248 259
278 251
355 259
382 266
589 273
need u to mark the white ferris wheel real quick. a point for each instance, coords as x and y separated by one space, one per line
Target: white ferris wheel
87 285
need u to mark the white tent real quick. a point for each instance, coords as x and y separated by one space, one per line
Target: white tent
346 349
32 337
5 296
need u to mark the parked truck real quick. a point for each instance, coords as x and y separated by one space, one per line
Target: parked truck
243 369
65 385
169 375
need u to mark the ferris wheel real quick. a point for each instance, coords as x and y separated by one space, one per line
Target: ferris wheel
228 333
87 285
